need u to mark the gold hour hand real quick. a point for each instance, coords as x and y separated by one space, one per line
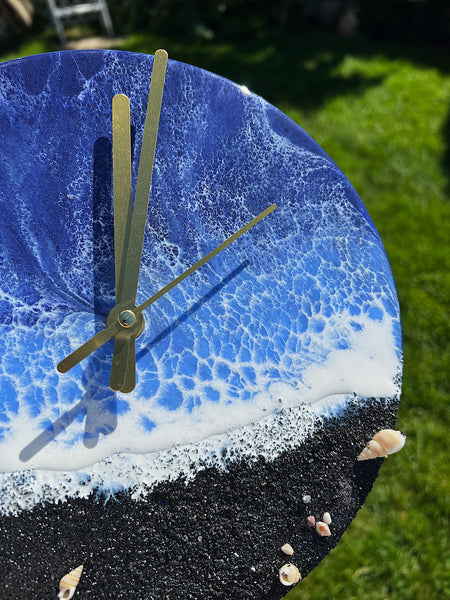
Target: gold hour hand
121 128
121 180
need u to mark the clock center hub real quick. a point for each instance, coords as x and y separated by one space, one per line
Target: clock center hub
130 321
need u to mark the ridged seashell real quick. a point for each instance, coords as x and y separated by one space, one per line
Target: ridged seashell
287 549
384 442
289 574
326 518
311 521
69 582
322 528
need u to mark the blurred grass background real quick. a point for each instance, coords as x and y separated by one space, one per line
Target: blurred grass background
379 103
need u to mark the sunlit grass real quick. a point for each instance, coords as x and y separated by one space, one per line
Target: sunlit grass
390 141
382 114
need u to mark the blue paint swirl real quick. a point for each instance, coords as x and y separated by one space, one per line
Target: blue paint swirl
282 315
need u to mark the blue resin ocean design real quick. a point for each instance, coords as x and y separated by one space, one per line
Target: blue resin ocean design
301 308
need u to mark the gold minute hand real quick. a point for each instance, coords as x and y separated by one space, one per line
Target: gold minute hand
123 368
124 349
106 334
133 245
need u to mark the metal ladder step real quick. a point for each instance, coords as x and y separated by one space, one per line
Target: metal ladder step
67 9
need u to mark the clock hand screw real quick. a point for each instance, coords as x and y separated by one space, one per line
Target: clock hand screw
127 318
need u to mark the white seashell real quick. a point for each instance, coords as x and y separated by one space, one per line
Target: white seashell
326 518
322 529
390 439
289 574
287 549
69 582
384 442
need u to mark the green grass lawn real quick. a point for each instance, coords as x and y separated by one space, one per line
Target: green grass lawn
382 112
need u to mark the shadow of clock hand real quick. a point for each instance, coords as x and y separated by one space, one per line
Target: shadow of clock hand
102 227
99 404
194 308
51 431
98 407
100 401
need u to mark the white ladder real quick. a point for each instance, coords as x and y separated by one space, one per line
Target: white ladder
65 9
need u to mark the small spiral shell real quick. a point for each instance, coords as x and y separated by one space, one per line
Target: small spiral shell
69 582
289 574
384 442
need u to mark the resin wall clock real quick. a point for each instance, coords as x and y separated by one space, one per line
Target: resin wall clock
185 387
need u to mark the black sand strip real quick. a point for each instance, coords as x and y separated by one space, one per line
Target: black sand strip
216 538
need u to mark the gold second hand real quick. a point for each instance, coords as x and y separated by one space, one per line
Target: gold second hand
106 334
203 260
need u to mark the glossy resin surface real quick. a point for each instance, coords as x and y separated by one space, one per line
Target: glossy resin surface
300 314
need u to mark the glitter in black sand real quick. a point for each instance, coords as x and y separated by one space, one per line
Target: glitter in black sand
216 537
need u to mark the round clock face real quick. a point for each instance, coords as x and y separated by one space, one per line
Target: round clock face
291 329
